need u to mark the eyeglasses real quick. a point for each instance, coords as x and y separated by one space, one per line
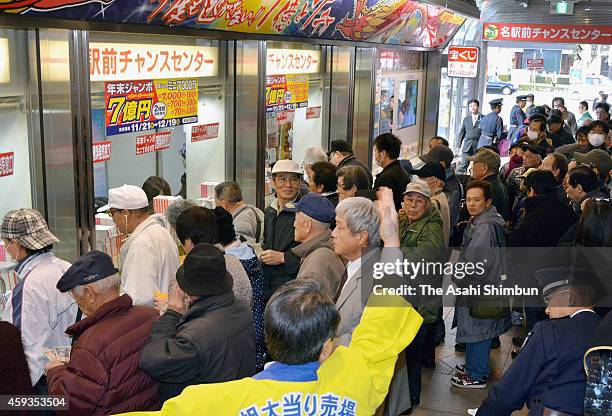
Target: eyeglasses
282 180
112 212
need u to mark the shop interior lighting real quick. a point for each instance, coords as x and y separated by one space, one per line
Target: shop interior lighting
5 63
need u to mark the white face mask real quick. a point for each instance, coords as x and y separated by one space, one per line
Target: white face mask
529 104
596 139
532 134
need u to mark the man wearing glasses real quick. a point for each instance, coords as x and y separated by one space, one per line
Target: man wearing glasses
548 375
149 257
280 264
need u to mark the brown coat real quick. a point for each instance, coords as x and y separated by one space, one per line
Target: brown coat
102 376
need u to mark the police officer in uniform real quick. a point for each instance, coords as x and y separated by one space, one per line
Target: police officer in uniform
517 116
491 125
548 375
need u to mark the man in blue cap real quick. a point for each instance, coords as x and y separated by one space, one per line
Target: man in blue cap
102 375
491 125
314 215
517 116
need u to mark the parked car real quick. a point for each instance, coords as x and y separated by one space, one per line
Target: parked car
494 85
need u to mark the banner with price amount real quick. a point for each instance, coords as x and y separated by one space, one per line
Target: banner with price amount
286 92
134 106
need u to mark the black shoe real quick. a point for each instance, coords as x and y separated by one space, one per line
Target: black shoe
495 343
460 347
518 341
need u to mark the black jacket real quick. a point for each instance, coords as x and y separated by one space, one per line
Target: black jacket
499 193
454 193
213 342
353 161
546 220
562 137
395 177
278 235
469 130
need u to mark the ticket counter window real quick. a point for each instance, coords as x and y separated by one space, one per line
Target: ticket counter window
158 109
294 101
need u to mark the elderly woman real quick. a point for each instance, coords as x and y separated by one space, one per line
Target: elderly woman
476 326
422 238
353 181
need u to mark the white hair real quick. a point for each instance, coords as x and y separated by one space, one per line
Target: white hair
313 155
102 285
361 215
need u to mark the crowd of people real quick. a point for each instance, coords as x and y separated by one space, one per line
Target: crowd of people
278 295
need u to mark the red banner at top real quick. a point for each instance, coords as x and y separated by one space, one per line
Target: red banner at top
522 32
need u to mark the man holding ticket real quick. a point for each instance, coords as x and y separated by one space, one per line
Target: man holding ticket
102 374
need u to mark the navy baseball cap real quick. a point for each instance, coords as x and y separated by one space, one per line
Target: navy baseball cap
315 206
90 267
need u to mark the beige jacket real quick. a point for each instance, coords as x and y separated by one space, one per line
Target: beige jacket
320 262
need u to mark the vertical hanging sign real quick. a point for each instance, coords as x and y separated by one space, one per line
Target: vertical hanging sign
462 61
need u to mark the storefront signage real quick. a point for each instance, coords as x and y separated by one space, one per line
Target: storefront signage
154 142
122 61
5 63
134 106
286 92
313 112
462 62
548 33
204 132
7 164
535 63
292 61
400 22
101 151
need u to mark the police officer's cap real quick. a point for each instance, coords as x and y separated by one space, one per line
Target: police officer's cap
521 98
496 102
550 279
89 268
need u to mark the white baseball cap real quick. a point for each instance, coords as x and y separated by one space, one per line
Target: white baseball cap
126 197
287 165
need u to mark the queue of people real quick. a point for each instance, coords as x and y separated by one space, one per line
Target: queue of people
278 295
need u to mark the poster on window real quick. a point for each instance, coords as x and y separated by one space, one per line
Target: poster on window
134 106
150 143
7 163
204 132
407 103
101 151
286 92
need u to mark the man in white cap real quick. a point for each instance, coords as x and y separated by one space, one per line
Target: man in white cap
40 311
280 264
149 257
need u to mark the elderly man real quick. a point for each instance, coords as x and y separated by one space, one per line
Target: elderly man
248 219
486 167
434 176
102 376
556 163
313 216
548 374
422 238
149 257
207 334
312 155
40 312
280 264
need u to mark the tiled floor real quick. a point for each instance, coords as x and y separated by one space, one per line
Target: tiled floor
438 396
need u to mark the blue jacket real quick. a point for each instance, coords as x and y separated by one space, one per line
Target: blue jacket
548 372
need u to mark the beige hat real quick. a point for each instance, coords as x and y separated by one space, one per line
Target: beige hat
488 157
418 186
286 165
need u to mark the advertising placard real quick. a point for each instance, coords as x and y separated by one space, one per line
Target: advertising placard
313 112
528 32
133 106
152 142
286 92
101 151
535 63
7 164
462 61
204 132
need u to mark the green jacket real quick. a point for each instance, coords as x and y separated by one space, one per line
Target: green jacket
423 241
